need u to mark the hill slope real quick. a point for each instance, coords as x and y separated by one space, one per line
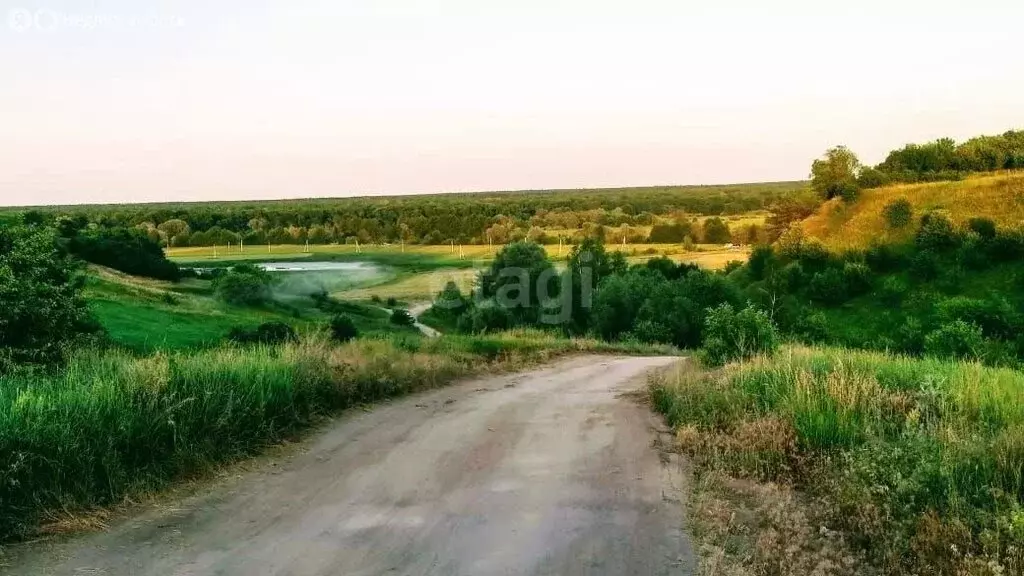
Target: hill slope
999 196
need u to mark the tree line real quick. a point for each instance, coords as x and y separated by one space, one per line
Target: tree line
839 173
428 219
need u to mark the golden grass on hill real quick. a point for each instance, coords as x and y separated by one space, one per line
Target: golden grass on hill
998 196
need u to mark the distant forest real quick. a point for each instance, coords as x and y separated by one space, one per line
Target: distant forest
475 218
651 214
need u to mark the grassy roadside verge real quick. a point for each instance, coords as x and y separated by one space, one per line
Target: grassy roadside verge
112 424
832 461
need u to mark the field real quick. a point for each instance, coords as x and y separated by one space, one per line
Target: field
417 273
906 465
996 196
440 255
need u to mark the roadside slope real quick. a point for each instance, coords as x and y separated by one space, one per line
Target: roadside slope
551 471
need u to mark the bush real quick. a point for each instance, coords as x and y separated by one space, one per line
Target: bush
956 339
872 178
649 331
245 285
828 287
813 327
936 233
343 329
893 290
450 302
983 227
391 302
995 315
270 333
761 262
41 305
884 258
716 231
925 265
898 213
487 317
1008 245
127 250
731 335
857 278
401 317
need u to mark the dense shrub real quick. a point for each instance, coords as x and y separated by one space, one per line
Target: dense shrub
812 327
872 178
487 317
401 317
343 329
893 290
127 250
667 267
731 335
898 213
41 305
761 261
936 233
925 265
673 233
983 227
270 333
885 258
1008 245
956 339
857 278
391 302
618 300
716 231
245 285
995 316
589 264
828 287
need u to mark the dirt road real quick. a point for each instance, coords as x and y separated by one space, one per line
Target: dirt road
553 471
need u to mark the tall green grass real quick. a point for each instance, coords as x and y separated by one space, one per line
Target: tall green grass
921 461
111 424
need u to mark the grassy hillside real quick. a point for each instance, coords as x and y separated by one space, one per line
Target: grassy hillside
999 196
146 315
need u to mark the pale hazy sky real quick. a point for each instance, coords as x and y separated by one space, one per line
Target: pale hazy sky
116 101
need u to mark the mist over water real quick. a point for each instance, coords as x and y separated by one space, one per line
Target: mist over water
296 280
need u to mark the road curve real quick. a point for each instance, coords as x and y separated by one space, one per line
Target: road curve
552 471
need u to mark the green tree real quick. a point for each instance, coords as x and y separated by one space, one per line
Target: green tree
836 173
245 285
716 231
522 280
41 290
589 263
